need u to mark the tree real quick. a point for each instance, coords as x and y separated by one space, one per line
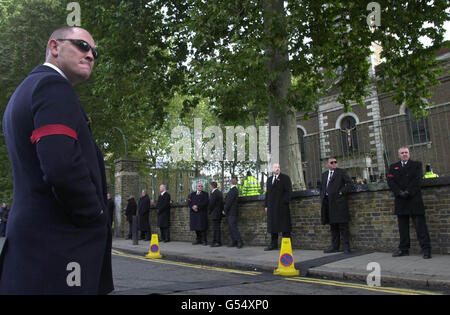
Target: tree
247 54
25 26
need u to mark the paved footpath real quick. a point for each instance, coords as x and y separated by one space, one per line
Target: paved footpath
411 271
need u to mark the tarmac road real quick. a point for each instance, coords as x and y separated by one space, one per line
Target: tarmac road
133 274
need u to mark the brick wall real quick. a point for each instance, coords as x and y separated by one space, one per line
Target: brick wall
373 226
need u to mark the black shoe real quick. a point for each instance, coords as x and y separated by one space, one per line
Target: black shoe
205 243
427 254
216 244
232 244
240 245
331 250
270 247
347 251
401 253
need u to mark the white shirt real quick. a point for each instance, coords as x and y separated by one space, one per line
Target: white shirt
56 69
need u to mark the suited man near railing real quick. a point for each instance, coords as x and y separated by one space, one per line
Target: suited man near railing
405 179
215 208
231 211
278 196
334 211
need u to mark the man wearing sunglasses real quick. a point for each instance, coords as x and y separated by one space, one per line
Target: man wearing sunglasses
333 194
58 239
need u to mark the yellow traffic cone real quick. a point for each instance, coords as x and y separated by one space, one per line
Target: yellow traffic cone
286 263
153 251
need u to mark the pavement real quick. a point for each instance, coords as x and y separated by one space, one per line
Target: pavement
409 271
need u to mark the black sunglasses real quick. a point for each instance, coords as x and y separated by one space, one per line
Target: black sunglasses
333 162
84 46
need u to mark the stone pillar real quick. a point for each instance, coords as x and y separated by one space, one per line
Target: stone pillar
126 184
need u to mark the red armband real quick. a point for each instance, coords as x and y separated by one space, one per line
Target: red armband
49 130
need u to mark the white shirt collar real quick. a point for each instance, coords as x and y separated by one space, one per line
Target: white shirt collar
213 190
163 192
56 69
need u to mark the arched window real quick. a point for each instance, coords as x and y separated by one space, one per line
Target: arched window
349 135
418 129
301 142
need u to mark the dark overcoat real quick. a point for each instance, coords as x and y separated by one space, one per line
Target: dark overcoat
407 178
231 202
131 209
199 219
163 210
111 207
57 229
338 188
215 205
277 200
144 213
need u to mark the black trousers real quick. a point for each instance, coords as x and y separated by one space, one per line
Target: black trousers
234 231
421 230
338 230
165 233
201 236
274 238
217 231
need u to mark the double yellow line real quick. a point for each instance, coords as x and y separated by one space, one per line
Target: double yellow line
297 279
363 286
181 264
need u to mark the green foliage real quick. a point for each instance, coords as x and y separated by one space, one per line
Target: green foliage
25 26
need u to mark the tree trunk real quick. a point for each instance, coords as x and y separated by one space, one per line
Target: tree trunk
279 112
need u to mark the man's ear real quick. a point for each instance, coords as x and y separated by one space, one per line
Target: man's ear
53 48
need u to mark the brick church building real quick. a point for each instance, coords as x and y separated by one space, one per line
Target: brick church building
365 141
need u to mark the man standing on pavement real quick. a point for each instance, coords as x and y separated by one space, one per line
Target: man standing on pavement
58 239
215 209
198 206
111 207
278 196
4 212
144 216
404 179
334 210
163 211
231 211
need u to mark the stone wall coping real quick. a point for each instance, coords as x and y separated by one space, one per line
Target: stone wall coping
356 188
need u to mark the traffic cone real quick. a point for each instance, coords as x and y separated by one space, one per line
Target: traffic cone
286 263
153 251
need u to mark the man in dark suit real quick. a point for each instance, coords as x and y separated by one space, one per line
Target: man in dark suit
215 209
231 211
58 239
130 212
278 196
144 216
163 211
404 179
198 214
111 207
334 210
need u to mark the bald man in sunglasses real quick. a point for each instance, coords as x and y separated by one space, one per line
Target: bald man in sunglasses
58 239
334 211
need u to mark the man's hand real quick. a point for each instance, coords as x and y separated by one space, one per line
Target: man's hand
404 194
